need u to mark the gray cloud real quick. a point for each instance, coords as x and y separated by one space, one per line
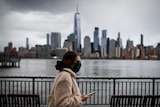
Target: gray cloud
34 18
53 6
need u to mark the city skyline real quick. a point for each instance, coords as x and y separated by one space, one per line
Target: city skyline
34 19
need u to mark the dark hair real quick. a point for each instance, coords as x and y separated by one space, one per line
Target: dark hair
69 56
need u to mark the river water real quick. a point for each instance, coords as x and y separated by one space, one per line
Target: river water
90 67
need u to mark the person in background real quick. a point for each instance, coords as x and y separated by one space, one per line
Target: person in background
65 91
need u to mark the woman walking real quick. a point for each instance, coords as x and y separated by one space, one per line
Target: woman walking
65 91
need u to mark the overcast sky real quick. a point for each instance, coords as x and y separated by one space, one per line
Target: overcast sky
20 19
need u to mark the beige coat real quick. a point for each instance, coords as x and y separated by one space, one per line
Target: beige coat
65 91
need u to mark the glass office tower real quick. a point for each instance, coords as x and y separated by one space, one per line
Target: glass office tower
27 43
77 30
104 39
96 39
55 40
142 39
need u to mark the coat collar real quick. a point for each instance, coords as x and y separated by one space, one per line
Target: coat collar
69 71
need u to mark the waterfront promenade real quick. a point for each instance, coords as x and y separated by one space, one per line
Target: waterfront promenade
104 87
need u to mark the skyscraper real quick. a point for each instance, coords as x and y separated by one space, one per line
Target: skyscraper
55 40
112 48
119 40
27 43
118 51
108 42
104 39
141 39
96 39
47 38
104 44
129 45
10 47
87 47
77 30
72 40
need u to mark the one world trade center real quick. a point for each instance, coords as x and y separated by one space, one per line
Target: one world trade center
77 30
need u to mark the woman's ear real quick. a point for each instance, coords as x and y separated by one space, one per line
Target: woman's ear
70 63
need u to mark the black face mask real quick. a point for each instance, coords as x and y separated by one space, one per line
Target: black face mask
76 67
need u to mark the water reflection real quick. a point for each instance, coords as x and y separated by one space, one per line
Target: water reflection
109 68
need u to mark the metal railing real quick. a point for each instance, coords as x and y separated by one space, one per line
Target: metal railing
104 87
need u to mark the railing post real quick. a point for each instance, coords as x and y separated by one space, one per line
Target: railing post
153 86
114 86
33 84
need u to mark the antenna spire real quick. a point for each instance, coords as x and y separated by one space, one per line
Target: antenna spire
77 6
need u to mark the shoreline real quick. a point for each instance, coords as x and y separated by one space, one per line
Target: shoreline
95 59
